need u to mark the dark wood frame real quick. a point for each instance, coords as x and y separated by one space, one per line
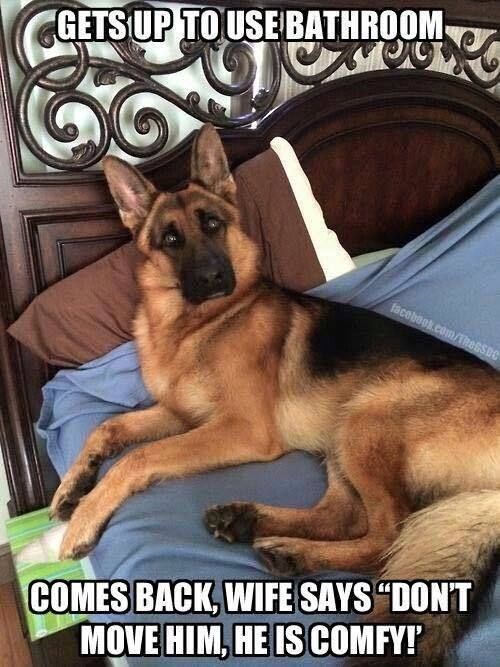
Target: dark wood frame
52 225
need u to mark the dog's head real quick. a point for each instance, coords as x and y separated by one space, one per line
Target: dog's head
192 237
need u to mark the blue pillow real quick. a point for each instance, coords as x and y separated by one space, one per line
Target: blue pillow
446 281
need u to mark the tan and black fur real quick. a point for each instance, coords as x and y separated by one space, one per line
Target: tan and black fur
242 370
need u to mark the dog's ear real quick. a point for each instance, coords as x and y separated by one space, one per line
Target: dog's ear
209 166
134 195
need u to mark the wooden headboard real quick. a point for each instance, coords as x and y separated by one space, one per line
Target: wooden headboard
388 154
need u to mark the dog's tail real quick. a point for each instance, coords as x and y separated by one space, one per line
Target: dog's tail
453 539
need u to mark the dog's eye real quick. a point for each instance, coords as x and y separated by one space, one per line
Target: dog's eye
211 225
172 239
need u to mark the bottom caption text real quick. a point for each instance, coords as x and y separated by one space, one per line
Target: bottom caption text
308 599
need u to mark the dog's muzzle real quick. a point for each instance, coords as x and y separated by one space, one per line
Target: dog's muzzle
209 282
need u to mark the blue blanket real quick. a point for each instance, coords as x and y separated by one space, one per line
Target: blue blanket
447 281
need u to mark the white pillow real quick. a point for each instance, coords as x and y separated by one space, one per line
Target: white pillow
332 257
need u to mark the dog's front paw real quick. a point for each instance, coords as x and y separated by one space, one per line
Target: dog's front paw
64 501
72 488
82 534
233 523
280 557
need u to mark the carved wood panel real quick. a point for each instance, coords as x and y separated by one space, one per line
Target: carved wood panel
374 196
59 241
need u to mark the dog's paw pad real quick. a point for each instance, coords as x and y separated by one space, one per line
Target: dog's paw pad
279 558
69 494
63 510
232 523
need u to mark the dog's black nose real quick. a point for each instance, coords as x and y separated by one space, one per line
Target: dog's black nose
212 278
208 279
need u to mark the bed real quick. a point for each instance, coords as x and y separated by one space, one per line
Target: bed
420 140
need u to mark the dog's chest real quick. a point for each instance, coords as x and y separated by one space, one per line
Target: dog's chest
228 364
175 375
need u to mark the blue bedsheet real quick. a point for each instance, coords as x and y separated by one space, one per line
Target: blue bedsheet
446 281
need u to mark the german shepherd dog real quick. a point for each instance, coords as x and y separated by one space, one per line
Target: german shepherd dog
242 370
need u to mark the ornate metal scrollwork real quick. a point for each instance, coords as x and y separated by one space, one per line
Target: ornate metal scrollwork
347 52
461 53
133 66
419 55
464 54
138 75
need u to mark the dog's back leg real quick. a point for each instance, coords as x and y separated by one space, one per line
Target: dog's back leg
338 515
290 556
370 455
